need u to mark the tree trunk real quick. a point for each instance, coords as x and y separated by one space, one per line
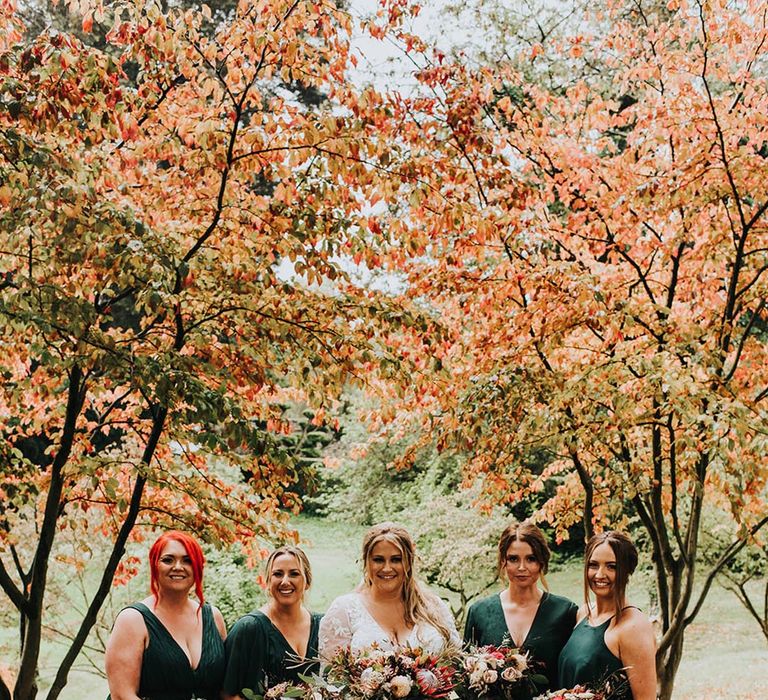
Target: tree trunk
26 683
667 665
100 596
158 425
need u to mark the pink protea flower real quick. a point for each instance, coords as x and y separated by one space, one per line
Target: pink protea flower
428 681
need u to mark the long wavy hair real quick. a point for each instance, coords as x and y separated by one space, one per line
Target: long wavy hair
196 557
531 535
419 603
626 561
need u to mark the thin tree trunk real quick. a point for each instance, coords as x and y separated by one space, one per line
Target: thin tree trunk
109 572
26 682
667 665
100 596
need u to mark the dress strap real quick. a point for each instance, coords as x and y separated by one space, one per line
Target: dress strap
626 607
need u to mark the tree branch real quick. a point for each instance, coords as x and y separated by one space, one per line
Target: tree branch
13 592
743 340
731 551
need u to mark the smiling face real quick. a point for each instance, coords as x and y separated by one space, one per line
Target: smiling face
601 571
521 566
385 567
174 568
286 583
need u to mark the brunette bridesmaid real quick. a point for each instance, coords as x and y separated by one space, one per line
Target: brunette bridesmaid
524 614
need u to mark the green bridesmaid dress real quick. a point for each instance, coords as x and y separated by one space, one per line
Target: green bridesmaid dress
166 673
550 629
259 657
586 660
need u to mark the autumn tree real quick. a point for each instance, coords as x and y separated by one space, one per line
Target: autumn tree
599 250
745 575
172 230
457 546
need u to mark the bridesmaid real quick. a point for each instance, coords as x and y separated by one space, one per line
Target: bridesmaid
277 642
523 615
612 636
168 647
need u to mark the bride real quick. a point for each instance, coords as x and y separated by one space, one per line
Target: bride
390 607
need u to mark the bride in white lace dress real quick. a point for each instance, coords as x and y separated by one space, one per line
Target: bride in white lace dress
391 607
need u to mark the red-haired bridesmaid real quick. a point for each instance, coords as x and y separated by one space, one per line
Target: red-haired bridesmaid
168 646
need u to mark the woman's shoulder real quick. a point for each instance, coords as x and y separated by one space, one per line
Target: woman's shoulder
132 614
253 620
438 603
346 601
486 604
130 624
633 621
433 601
253 627
635 637
138 611
582 612
218 620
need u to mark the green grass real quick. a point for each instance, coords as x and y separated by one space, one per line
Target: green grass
333 550
726 657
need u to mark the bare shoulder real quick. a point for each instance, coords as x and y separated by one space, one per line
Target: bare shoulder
129 634
129 620
634 619
634 628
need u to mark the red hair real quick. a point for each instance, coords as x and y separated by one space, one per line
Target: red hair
196 557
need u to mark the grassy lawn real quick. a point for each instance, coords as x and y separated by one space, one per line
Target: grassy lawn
726 657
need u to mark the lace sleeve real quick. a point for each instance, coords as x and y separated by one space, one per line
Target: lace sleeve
445 616
335 628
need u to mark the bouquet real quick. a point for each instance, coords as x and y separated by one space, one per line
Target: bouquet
280 691
375 674
615 686
577 693
495 672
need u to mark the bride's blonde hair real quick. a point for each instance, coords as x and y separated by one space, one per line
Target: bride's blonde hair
419 603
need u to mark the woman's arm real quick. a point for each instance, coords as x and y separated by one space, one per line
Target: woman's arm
122 660
637 651
245 647
445 616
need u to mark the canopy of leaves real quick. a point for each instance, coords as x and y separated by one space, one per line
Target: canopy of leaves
173 237
598 249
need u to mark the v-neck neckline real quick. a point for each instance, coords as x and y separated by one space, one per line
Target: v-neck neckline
194 669
286 642
544 595
381 627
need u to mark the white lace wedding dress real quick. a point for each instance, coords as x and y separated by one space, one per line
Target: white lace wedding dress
348 623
